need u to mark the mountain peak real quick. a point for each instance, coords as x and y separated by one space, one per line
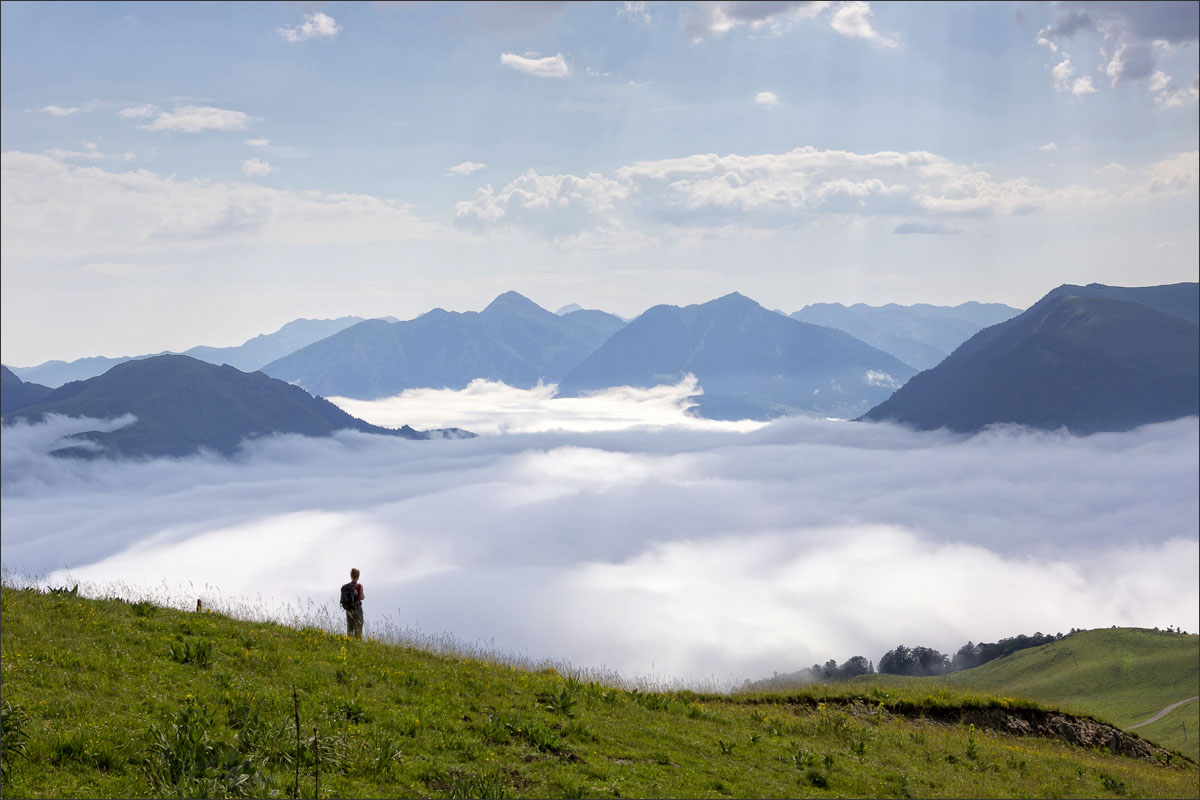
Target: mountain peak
734 300
512 301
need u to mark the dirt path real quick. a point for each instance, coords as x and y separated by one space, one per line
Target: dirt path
1163 713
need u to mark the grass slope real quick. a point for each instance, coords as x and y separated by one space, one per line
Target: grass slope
109 698
1121 675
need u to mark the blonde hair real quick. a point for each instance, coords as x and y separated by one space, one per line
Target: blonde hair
354 574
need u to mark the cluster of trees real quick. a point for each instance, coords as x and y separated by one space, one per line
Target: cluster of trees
924 661
973 655
831 671
927 661
914 661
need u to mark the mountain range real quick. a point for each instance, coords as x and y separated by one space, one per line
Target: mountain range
182 405
920 335
248 356
513 340
1087 358
752 363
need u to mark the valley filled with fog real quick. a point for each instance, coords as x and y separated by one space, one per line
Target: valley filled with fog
617 531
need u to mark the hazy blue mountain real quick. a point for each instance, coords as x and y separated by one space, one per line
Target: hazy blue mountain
1177 299
920 335
56 373
750 362
567 309
601 324
248 357
16 393
1090 358
513 340
256 353
183 404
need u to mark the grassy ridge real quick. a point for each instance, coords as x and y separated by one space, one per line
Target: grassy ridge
108 698
1122 675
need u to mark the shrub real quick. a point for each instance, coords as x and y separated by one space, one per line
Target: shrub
198 652
181 758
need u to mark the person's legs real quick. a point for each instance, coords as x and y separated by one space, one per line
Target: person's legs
356 622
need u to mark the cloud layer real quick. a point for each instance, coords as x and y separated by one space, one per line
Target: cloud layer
736 195
683 552
54 209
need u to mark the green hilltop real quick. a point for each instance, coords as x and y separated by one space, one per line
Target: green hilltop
107 698
1122 675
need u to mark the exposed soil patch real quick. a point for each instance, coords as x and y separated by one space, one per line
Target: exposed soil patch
1082 731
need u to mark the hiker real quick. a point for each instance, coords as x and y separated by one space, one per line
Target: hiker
352 598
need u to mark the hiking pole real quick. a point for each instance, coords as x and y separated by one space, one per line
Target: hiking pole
317 761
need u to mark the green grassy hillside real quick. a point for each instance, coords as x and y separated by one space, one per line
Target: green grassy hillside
1122 675
113 699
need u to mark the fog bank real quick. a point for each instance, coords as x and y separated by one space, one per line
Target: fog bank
668 548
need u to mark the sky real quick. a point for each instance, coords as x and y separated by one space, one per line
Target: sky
182 174
619 534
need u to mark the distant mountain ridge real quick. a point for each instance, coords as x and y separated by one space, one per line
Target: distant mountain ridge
920 335
183 404
512 340
1088 358
750 362
16 393
249 356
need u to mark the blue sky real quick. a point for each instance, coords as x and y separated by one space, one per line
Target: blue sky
181 174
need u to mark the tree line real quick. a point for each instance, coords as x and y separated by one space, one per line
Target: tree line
925 661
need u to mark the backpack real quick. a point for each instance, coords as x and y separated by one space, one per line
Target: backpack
349 595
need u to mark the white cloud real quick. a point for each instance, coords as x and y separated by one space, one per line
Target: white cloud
634 9
766 99
1082 86
51 208
256 168
257 142
1060 76
566 209
1178 173
1166 95
467 167
90 151
59 111
706 19
1048 147
1159 81
138 112
193 119
833 539
315 26
854 19
554 66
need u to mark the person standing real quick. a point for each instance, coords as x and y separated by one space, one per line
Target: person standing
352 600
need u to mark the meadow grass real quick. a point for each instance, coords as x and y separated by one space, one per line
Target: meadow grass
107 697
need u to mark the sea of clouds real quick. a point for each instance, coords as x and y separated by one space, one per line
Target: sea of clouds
619 532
